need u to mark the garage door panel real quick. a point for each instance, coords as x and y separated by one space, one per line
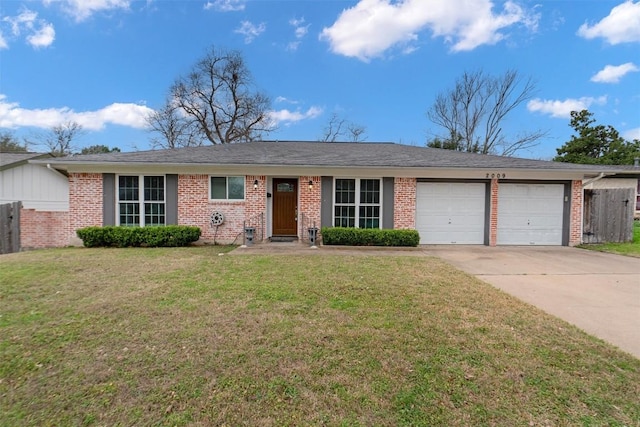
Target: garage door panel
530 214
450 213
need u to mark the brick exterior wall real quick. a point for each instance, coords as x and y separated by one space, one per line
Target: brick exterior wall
575 230
404 201
493 213
85 202
256 205
43 229
195 208
309 205
50 229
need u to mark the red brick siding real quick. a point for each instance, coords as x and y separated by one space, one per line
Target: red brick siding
44 229
85 201
310 199
493 214
309 204
195 208
575 224
256 205
404 203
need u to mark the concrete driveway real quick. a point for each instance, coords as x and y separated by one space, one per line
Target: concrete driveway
598 292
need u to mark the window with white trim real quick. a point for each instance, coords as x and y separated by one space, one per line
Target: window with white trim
141 200
226 188
357 203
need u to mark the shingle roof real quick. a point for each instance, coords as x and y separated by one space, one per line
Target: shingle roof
9 160
320 154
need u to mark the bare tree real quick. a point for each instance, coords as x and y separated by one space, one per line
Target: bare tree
60 139
356 133
173 127
338 128
474 111
333 129
217 94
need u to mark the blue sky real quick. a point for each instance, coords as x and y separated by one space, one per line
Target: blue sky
376 63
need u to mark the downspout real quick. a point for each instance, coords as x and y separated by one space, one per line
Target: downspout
56 170
597 178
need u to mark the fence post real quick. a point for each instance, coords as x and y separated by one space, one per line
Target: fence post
15 226
10 227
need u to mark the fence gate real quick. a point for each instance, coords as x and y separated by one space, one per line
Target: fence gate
10 227
608 215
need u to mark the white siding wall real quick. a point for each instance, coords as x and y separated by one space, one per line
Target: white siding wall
613 183
36 187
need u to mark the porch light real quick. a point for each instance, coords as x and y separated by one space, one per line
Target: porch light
255 184
310 184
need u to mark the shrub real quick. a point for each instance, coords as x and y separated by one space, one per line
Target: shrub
369 237
123 237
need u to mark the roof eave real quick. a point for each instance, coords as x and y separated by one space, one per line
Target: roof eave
319 170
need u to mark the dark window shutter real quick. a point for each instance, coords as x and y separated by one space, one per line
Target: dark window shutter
171 202
108 199
387 202
326 209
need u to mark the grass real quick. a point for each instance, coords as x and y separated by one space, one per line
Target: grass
630 248
185 336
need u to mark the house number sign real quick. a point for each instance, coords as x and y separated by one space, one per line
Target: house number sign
496 175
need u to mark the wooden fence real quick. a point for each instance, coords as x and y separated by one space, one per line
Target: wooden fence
10 227
608 215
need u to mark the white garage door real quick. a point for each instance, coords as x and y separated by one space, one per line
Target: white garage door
530 214
450 213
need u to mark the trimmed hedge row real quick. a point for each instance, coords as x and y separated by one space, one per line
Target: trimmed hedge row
123 237
369 237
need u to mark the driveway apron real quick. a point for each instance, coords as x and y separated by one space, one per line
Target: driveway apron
597 292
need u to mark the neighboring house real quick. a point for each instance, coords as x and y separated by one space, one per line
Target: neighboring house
44 193
283 188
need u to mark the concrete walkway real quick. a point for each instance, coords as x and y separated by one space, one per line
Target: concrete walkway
597 292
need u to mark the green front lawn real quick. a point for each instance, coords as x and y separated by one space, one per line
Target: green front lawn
630 248
185 336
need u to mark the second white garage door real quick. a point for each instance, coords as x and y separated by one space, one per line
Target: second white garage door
530 214
450 213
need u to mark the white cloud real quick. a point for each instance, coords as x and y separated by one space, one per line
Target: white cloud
293 46
124 114
83 9
288 117
631 134
225 5
19 22
563 109
38 32
250 31
622 25
300 30
613 73
464 24
285 100
43 37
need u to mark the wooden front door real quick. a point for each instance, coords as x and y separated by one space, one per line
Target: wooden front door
285 203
